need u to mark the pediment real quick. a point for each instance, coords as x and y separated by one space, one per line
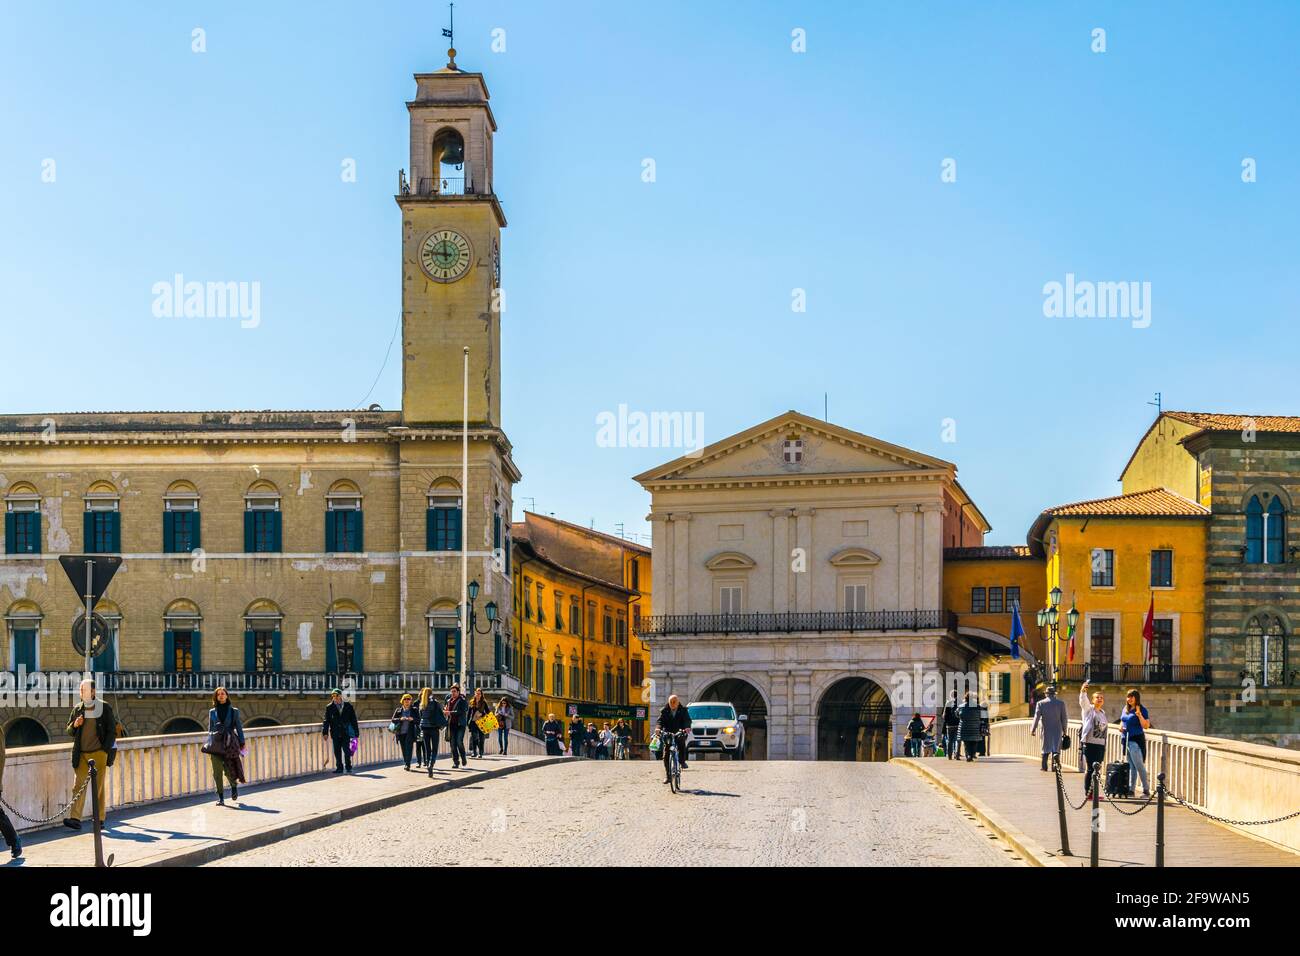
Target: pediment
730 561
855 558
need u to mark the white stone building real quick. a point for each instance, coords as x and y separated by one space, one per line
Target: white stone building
797 572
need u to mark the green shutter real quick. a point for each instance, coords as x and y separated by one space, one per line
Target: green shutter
196 651
276 662
25 650
439 649
88 533
249 538
35 519
195 540
169 651
331 530
361 533
428 528
250 654
169 532
331 652
496 652
358 657
456 663
11 534
276 541
115 523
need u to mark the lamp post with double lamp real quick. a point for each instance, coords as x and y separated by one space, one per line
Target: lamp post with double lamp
491 610
1050 617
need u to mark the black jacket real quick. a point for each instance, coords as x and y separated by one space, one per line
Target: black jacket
431 717
105 725
340 722
407 728
553 727
674 722
951 714
577 733
457 714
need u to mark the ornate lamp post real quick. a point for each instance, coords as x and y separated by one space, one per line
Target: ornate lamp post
1050 617
472 629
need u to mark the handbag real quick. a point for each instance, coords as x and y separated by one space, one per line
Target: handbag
392 727
1065 741
487 723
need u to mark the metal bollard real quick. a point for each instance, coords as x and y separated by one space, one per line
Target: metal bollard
1095 851
1060 806
1160 820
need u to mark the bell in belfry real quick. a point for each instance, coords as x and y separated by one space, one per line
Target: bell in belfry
449 147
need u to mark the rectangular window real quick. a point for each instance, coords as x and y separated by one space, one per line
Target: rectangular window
541 615
575 679
855 597
1162 569
557 678
102 532
443 528
528 669
638 672
995 600
266 531
977 605
620 630
343 530
559 611
608 696
1101 649
591 620
264 651
446 645
1162 646
607 633
636 575
345 651
636 618
729 599
1013 598
575 618
183 652
1103 568
23 528
184 527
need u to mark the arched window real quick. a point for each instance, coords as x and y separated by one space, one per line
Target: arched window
1265 529
180 518
448 164
608 696
344 642
1266 650
575 677
262 638
443 519
528 665
263 528
590 689
23 622
182 638
22 520
540 673
102 524
620 684
343 519
557 675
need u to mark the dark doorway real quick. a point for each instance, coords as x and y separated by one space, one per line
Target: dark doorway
853 721
25 732
748 702
182 725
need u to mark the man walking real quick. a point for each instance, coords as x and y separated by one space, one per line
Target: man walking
1050 713
340 725
93 729
951 720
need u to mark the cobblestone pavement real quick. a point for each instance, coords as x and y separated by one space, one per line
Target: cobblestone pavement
596 813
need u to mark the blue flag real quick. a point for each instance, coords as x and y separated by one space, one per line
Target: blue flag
1017 632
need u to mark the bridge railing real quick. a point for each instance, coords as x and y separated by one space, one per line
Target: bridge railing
38 781
1230 779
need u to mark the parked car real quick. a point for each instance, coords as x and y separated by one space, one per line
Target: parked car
715 728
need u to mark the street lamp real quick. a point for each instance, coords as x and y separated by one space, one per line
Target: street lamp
1050 617
491 610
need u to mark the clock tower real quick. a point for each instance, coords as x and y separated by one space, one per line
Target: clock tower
451 253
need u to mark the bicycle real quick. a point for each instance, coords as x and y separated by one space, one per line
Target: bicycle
672 762
623 748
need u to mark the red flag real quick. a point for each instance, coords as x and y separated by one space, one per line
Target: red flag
1148 626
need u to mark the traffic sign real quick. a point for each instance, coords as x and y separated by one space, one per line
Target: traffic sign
102 569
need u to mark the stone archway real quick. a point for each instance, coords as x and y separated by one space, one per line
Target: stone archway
182 725
853 721
26 732
749 703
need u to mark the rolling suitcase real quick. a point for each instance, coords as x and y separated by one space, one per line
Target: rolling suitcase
1117 780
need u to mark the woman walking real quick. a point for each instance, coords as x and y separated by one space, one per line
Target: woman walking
1093 735
970 728
505 720
432 721
1136 720
478 709
407 719
223 719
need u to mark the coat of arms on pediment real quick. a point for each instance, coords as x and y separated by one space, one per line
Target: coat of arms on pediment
792 452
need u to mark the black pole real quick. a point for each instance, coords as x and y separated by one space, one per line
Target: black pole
1160 820
94 813
1060 806
1095 851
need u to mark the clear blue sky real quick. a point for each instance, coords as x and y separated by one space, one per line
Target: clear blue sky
775 171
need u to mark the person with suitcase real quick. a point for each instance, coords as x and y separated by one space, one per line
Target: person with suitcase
1136 720
1093 734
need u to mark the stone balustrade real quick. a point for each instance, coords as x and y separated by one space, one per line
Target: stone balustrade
38 780
1227 778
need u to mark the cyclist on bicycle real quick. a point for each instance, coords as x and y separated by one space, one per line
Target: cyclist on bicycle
674 722
623 734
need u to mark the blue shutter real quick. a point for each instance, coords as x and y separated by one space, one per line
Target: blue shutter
439 649
361 533
456 665
455 541
169 651
11 534
496 653
115 535
1254 531
250 654
34 519
331 530
250 538
429 515
169 532
25 650
1276 531
358 657
196 651
276 540
195 540
331 652
276 662
88 533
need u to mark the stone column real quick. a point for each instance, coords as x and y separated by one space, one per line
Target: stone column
802 717
803 539
780 559
906 557
681 558
661 573
930 556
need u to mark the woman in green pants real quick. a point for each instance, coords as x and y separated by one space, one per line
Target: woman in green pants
224 717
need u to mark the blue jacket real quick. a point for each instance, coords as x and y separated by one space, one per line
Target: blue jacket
232 720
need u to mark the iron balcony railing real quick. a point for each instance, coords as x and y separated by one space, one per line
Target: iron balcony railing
445 186
282 682
1136 674
788 622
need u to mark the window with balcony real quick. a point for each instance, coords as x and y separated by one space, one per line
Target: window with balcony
1101 650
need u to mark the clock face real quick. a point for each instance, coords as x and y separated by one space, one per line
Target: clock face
445 255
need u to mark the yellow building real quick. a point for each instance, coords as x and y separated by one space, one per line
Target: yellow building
983 586
1111 558
284 553
579 599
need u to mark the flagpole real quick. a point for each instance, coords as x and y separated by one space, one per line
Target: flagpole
466 634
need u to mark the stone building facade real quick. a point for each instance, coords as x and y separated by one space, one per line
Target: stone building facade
284 553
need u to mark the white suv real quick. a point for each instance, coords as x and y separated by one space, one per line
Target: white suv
715 728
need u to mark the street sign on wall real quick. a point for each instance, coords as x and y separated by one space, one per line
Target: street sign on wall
606 711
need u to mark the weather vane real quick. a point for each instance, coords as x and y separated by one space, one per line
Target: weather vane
449 32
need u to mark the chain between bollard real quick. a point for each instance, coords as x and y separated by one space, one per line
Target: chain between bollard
1130 813
1060 783
57 813
1224 820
